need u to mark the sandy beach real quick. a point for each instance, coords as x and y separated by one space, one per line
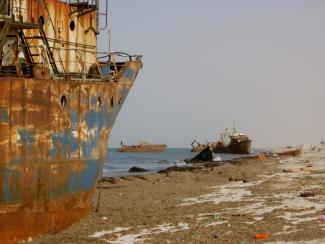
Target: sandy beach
281 197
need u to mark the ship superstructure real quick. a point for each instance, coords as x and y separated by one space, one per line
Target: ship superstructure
59 100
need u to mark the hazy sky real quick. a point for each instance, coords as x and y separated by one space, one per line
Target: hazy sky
209 62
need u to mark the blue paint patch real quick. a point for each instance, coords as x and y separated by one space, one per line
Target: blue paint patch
89 146
115 109
68 144
73 182
5 185
95 120
4 115
15 160
112 116
84 100
77 180
128 73
11 191
93 101
106 71
26 140
26 136
91 118
88 177
58 188
74 119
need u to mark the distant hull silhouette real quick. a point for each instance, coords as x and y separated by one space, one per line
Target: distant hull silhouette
141 148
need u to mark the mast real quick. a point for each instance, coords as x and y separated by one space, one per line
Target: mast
234 130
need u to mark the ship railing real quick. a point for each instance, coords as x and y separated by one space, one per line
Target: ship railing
80 2
106 65
8 10
92 5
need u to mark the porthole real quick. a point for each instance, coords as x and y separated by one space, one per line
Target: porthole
64 100
72 25
99 101
112 102
41 20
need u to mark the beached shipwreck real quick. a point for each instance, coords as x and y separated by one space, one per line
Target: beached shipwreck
230 142
59 100
142 147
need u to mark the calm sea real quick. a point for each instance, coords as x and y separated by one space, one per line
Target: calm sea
118 164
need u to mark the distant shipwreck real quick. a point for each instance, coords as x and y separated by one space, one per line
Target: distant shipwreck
230 142
142 147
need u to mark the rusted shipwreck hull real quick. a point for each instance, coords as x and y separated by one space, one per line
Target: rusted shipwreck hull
57 109
143 148
239 143
234 147
52 155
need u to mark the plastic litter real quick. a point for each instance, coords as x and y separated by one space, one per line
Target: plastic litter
216 216
307 194
194 234
242 242
322 218
261 236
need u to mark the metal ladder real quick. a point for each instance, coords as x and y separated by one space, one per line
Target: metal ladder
27 52
48 50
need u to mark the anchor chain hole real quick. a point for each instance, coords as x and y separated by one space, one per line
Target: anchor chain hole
112 102
64 100
41 20
72 25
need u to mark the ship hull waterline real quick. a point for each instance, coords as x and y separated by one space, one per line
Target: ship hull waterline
53 144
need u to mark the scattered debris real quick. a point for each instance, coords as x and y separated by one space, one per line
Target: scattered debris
216 236
238 179
261 236
322 218
135 169
178 169
307 194
112 180
183 226
205 155
287 171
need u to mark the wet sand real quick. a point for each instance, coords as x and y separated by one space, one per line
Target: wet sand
229 203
